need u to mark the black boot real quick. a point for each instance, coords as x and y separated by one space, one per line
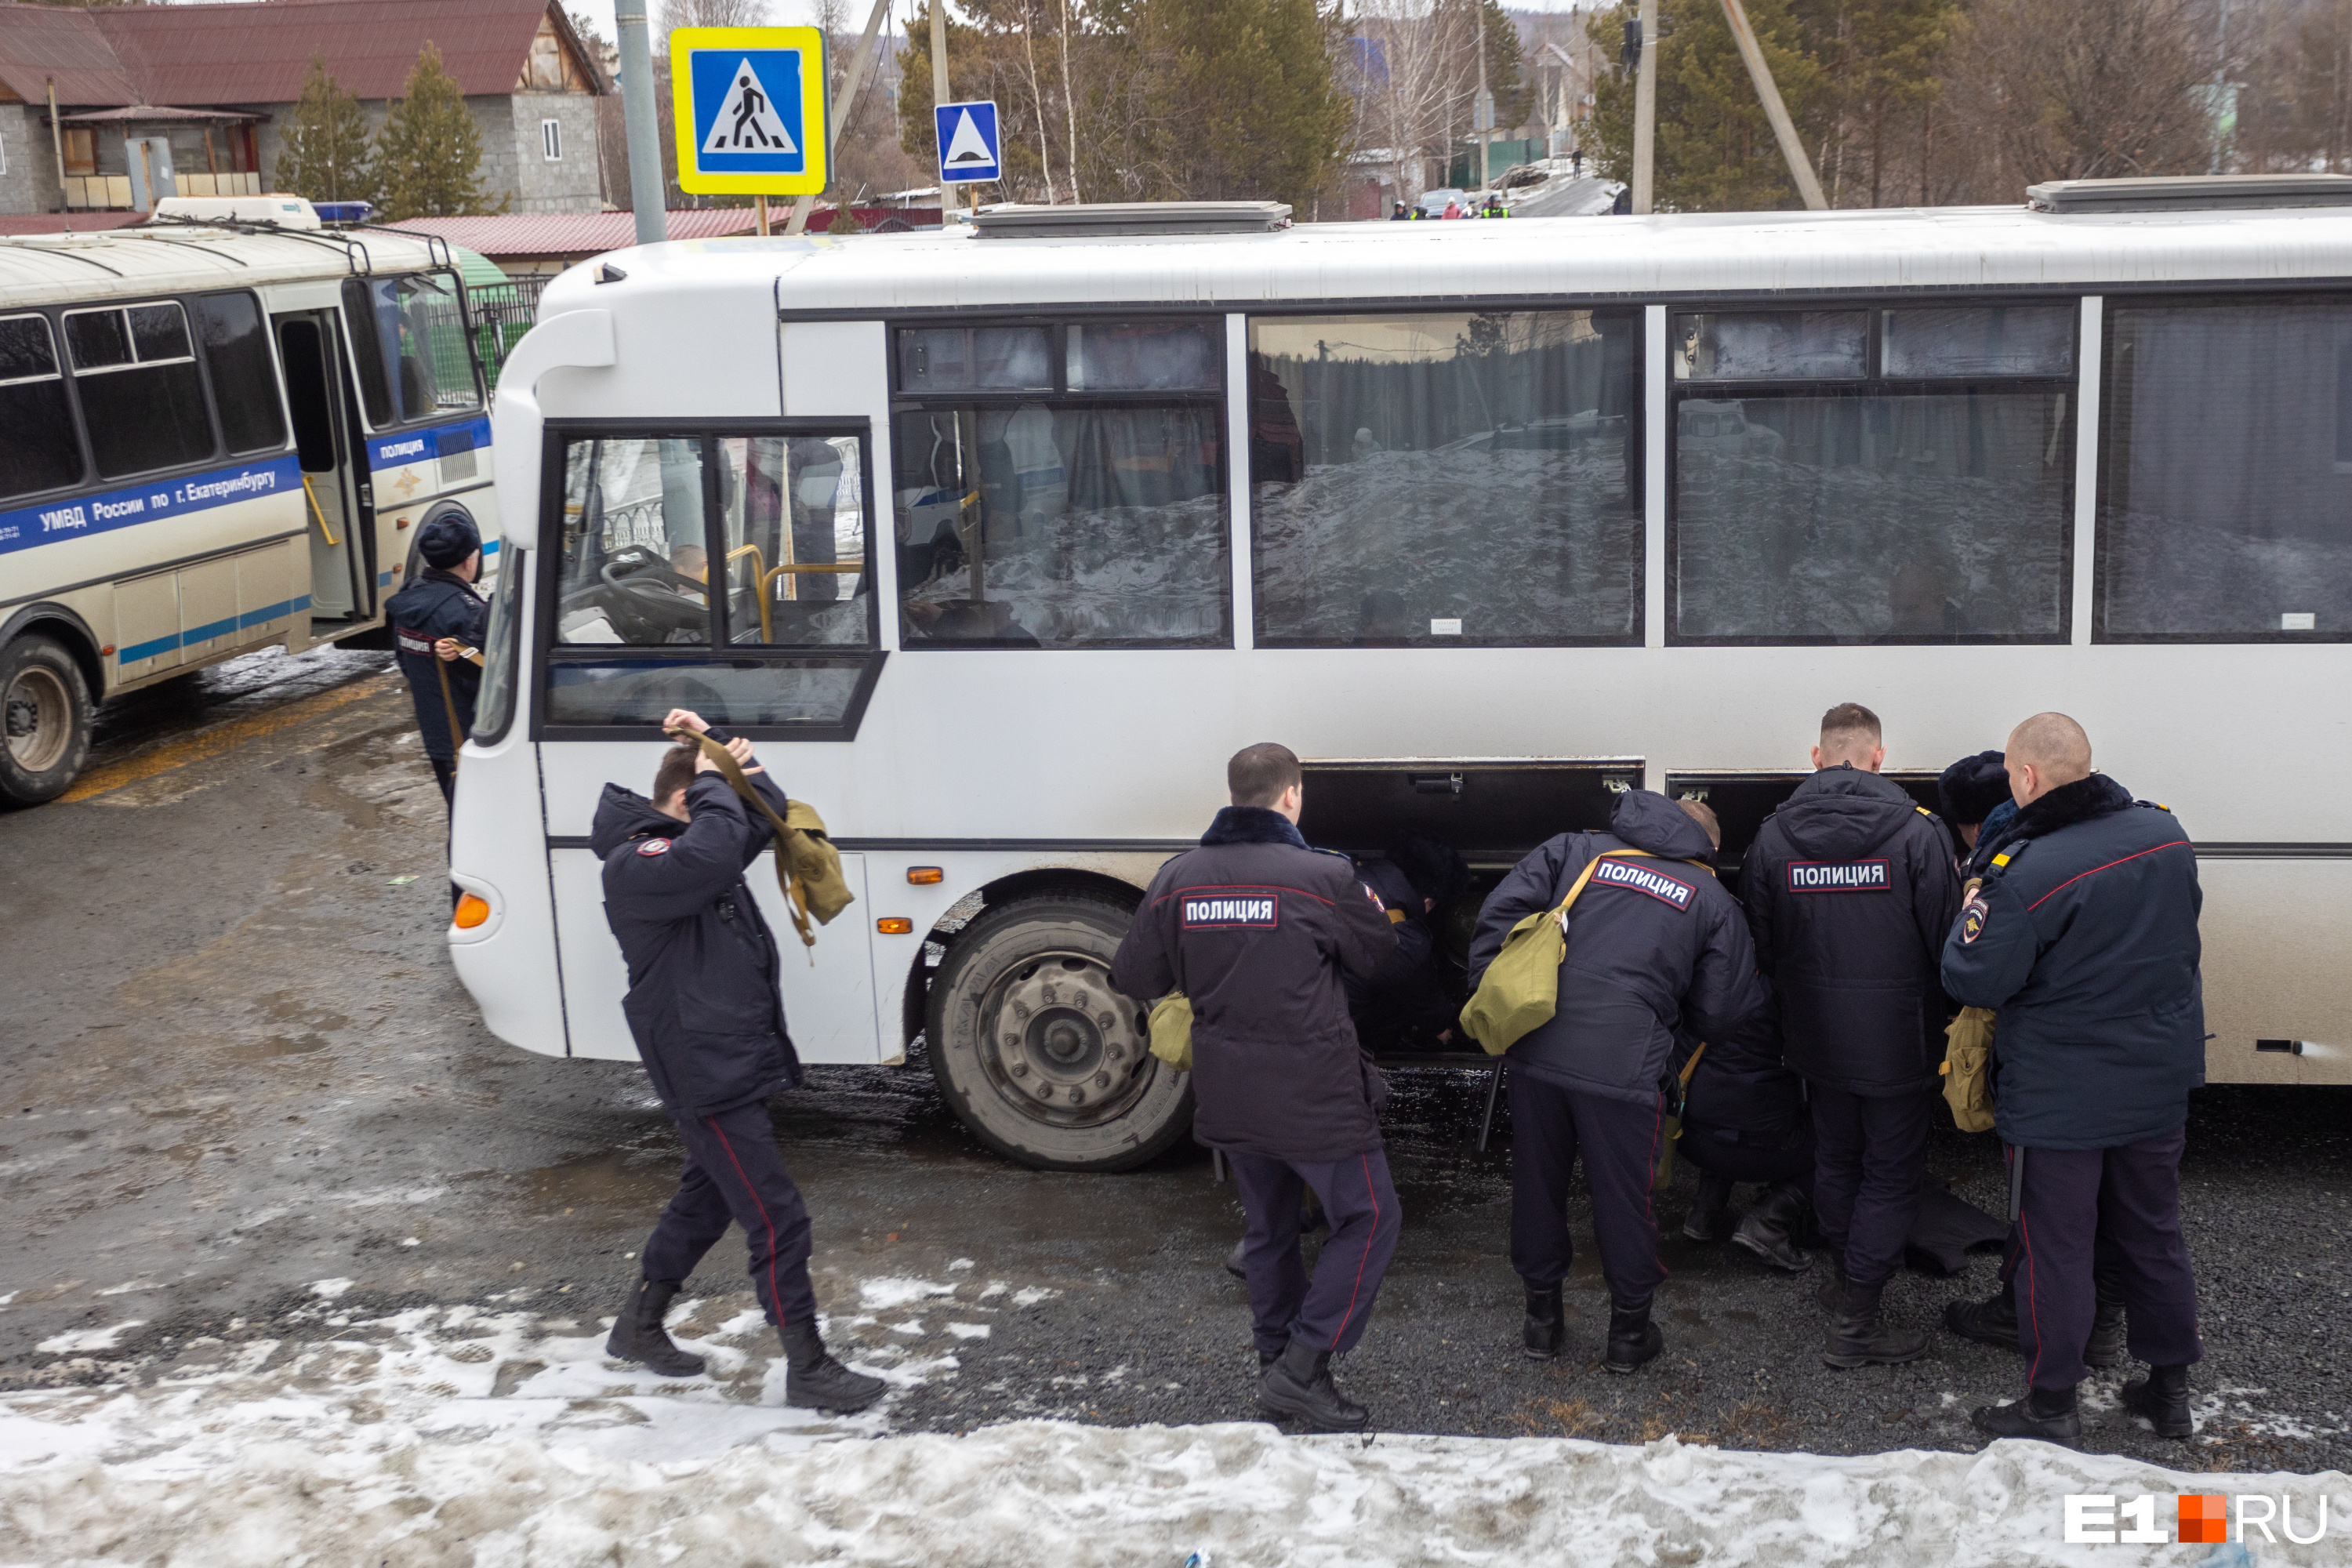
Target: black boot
1704 1221
1634 1340
1991 1321
1831 1293
2106 1345
1545 1331
1237 1261
2163 1397
815 1381
1859 1336
1768 1231
638 1335
2048 1414
1298 1384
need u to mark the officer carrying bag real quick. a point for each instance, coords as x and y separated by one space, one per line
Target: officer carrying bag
1519 993
1967 1055
808 868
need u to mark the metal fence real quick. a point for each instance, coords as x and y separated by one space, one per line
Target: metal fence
502 313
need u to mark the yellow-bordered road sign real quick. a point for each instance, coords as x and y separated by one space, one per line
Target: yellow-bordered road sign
749 106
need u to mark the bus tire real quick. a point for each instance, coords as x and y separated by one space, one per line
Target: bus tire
45 705
1037 1054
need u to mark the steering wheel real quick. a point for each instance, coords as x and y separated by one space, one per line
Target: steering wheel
645 569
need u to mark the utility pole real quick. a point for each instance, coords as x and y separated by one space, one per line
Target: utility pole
1801 167
940 87
858 66
1645 112
1482 109
647 195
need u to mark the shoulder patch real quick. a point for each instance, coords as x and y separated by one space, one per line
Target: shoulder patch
1973 915
654 846
1840 876
1217 911
1636 877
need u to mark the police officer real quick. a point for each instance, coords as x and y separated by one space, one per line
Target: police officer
432 617
1653 942
1256 929
708 1021
1745 1120
2083 934
1407 1001
1398 214
1849 888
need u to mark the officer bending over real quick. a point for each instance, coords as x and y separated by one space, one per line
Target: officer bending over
430 617
1256 929
1409 1001
1850 888
1745 1120
1653 942
2083 934
710 1025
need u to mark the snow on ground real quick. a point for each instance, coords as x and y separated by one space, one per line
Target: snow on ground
460 1435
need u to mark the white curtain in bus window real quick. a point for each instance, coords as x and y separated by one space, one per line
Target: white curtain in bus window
1871 513
1061 523
1447 478
635 566
2226 472
975 359
135 373
1777 345
793 518
408 334
37 449
244 382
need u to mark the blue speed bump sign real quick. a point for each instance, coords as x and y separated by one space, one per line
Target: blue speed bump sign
969 147
751 111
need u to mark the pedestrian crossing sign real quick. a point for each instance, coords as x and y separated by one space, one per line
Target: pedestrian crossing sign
749 109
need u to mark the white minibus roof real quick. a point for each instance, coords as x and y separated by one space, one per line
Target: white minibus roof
48 269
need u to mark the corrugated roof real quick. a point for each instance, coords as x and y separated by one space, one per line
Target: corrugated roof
240 54
578 233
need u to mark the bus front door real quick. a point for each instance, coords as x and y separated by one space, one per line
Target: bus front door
343 553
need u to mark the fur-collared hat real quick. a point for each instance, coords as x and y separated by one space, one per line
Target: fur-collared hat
1971 787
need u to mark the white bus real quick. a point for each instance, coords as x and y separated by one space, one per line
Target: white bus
1023 532
214 439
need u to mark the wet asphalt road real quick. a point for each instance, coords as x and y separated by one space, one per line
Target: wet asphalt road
237 1063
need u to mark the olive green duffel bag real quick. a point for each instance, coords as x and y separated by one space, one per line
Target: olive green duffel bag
1967 1053
1519 993
1171 1030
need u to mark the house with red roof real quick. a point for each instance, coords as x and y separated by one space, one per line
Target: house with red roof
109 108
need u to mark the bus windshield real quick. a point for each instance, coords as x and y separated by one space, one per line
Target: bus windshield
409 334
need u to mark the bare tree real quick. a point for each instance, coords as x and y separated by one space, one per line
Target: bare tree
1420 67
677 14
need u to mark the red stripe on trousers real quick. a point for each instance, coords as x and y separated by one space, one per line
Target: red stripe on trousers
1365 1261
773 1296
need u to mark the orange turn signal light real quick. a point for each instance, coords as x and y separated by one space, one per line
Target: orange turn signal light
925 876
893 926
471 911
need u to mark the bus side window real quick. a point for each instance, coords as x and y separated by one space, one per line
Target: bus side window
244 385
37 449
135 373
634 567
409 336
791 511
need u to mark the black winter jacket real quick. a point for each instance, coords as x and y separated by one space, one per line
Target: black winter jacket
1744 1092
436 605
703 1001
1255 928
1661 946
1849 889
2084 939
1405 992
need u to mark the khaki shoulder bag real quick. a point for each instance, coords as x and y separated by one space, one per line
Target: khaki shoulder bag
1519 993
1171 1030
808 868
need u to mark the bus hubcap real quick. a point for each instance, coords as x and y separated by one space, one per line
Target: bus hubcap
1060 1043
39 720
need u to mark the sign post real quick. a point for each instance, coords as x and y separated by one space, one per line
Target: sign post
971 148
751 112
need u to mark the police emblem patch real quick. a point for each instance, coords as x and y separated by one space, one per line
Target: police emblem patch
1972 918
654 846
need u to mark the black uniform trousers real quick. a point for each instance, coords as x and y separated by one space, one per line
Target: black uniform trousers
1618 1140
2085 1214
1869 1158
734 1172
1328 1311
1745 1159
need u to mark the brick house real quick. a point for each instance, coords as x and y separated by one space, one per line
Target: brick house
153 99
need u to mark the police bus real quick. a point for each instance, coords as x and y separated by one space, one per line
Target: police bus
214 437
1000 540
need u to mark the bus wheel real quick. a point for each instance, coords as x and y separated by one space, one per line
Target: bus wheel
1042 1059
45 704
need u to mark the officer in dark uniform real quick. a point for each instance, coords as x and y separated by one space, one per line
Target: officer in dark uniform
1408 1001
1745 1120
1654 945
432 617
2083 935
1256 929
708 1021
1850 888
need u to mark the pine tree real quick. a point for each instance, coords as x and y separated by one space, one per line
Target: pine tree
1715 151
326 157
1243 101
429 151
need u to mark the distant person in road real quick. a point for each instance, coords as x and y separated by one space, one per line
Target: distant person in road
1453 208
1654 944
434 619
1849 888
1398 215
1495 207
2082 935
708 1021
1257 931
